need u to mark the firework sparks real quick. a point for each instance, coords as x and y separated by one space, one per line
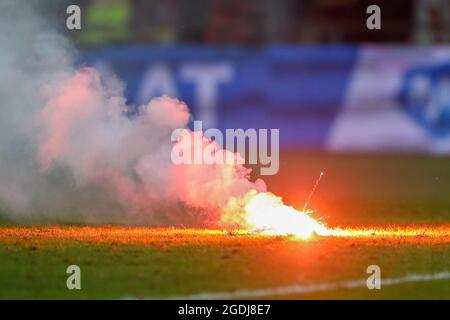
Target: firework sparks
267 213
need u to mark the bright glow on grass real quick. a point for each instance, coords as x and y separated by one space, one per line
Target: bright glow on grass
399 231
180 236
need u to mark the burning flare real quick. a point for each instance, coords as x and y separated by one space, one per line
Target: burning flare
266 212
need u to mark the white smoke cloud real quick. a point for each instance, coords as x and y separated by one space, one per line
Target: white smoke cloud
30 56
69 153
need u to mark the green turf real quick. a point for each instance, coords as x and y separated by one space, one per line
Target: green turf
369 190
111 271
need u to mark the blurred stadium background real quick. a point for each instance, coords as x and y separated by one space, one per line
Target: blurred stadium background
371 108
310 68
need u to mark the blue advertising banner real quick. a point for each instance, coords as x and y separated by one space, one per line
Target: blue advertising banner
296 89
320 97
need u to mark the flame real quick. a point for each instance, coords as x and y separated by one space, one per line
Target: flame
266 212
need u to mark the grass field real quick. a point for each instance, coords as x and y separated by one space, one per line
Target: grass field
385 192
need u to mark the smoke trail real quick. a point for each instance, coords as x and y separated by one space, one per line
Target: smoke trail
68 152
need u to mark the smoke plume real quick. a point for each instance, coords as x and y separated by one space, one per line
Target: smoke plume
70 153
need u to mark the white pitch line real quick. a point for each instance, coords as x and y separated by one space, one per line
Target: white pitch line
297 288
